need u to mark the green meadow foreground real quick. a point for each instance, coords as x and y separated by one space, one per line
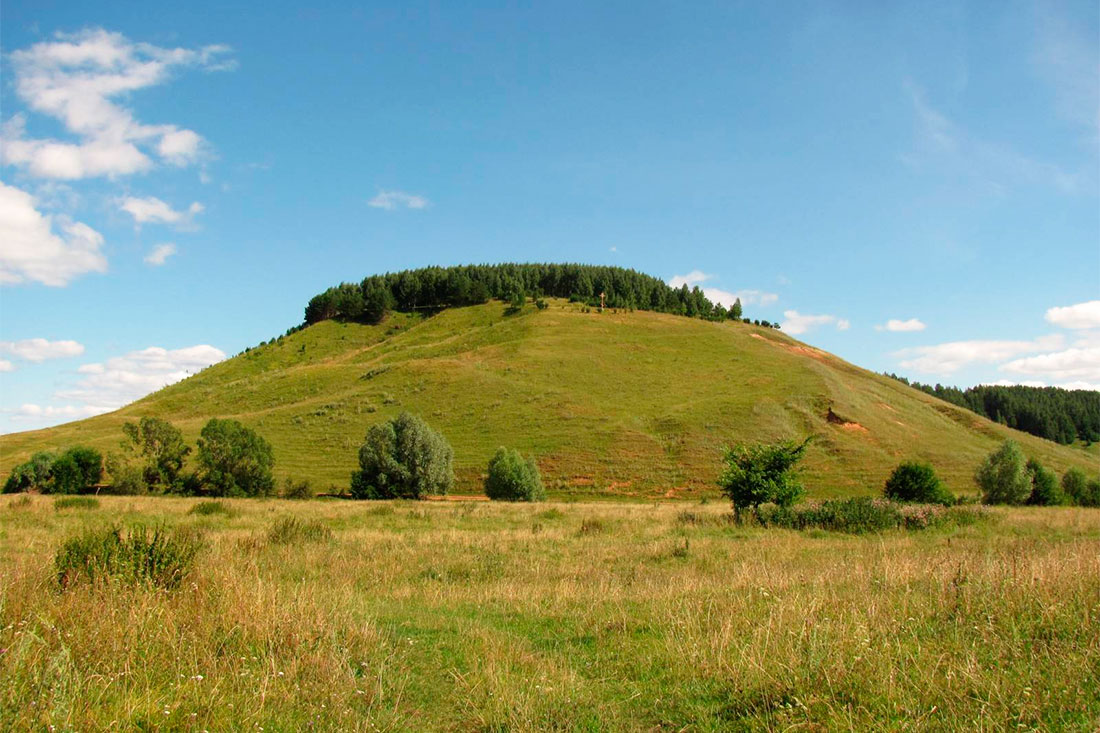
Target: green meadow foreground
485 617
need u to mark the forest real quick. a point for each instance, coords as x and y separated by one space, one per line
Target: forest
1062 415
435 288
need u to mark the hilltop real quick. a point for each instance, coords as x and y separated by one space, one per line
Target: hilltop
614 403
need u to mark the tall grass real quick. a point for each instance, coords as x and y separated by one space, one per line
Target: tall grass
158 556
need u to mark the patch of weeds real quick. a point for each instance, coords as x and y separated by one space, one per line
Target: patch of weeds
536 528
291 530
681 549
862 515
591 525
550 514
139 556
75 502
382 510
372 373
297 490
211 508
23 502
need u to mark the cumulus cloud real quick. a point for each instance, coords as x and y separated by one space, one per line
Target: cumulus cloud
80 80
950 357
1082 315
32 251
390 200
723 297
1071 364
39 349
796 322
160 254
65 412
894 324
123 379
153 210
6 366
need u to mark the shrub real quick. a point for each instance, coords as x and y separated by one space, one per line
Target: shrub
299 490
864 514
591 525
1045 490
126 476
762 473
291 530
1003 476
140 556
1079 489
210 508
34 474
235 459
76 471
917 482
403 458
513 479
75 502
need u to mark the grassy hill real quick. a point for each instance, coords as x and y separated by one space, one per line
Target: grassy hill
626 403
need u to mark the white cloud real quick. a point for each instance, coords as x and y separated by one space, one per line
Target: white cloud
724 297
6 366
123 379
30 250
894 324
1082 315
160 254
390 200
39 349
801 323
67 412
950 357
79 79
1060 366
153 210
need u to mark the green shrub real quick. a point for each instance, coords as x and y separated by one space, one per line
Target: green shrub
864 514
403 458
126 475
1079 490
33 474
235 459
75 502
1003 476
297 490
158 557
76 471
210 508
917 482
1045 490
513 479
291 530
762 473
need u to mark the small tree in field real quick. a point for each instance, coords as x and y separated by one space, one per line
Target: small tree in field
513 479
1045 490
403 459
1003 476
236 461
161 445
917 482
762 473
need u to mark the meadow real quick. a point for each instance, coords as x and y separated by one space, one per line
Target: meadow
476 616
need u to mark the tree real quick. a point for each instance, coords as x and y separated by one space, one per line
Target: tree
161 445
916 482
1045 490
76 471
377 299
1079 489
735 310
236 461
403 458
511 478
1003 476
762 473
33 474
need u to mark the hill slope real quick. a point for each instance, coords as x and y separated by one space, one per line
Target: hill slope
625 403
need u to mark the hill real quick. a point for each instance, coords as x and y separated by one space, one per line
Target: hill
614 403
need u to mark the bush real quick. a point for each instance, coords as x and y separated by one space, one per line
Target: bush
513 479
299 490
126 476
403 459
1003 476
916 482
76 471
210 508
1079 489
1045 490
235 459
762 473
291 530
75 502
34 474
864 514
156 557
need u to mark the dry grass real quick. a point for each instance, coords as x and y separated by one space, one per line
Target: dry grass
437 616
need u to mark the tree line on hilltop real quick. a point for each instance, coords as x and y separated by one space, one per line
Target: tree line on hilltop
435 288
1057 414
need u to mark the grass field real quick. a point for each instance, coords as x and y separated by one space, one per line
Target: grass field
620 404
560 616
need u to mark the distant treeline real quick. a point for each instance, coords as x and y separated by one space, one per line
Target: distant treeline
1057 414
434 288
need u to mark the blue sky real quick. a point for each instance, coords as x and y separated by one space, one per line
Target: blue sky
911 186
